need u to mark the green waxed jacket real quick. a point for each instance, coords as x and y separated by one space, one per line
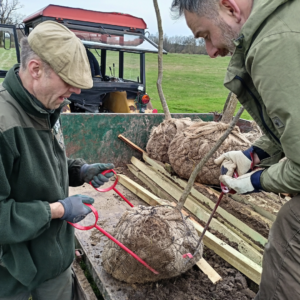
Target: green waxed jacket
34 172
264 73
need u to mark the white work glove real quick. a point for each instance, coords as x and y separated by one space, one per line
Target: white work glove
239 161
247 183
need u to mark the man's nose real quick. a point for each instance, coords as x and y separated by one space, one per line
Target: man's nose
75 90
212 51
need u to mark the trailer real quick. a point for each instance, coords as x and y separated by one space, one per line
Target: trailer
118 106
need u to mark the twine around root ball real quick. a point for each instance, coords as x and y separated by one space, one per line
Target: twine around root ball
160 236
188 148
162 135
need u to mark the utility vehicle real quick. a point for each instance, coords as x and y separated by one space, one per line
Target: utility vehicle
116 44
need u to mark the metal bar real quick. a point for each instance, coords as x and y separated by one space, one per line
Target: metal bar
143 70
103 62
121 64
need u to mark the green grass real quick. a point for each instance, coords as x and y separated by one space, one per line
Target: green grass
191 83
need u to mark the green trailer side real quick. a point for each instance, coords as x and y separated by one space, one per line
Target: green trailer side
94 137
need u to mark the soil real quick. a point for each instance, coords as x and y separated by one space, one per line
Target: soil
194 285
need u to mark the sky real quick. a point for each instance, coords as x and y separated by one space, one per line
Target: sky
142 9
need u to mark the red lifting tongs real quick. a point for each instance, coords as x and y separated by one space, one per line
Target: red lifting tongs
113 187
225 190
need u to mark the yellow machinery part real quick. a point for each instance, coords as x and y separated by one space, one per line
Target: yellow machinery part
117 102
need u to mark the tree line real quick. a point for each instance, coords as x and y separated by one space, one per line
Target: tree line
181 44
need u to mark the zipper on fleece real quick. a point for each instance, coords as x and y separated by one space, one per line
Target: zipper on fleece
52 137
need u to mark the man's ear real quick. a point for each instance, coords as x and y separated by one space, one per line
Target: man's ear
35 68
231 8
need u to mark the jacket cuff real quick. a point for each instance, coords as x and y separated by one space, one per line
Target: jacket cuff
75 172
248 152
260 153
255 180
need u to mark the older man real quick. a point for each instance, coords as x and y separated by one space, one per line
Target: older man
264 38
36 242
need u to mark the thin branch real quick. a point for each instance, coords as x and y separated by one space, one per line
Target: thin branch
160 63
204 160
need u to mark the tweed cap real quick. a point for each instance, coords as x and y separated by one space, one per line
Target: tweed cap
63 51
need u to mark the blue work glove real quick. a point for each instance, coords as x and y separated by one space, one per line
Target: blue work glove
92 173
247 183
75 210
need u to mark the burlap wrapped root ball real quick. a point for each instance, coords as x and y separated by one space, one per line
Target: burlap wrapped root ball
190 146
255 132
162 135
158 235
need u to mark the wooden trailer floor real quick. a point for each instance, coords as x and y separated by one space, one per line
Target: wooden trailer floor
110 208
193 285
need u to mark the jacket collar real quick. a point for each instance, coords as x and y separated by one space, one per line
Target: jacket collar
15 88
261 10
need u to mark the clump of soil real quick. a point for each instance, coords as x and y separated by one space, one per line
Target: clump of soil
195 285
162 135
191 145
159 235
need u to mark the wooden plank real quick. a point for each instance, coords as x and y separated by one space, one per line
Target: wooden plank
209 271
199 212
83 289
255 207
232 256
164 195
241 200
150 184
203 199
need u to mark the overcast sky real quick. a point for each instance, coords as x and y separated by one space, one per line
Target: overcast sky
142 9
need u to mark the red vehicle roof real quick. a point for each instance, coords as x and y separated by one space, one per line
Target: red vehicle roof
79 14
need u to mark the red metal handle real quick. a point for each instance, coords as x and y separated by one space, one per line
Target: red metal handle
91 226
110 188
225 189
111 237
113 187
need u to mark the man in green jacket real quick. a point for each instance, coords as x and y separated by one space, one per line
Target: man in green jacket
263 37
36 242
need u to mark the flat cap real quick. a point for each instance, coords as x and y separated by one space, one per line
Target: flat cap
63 51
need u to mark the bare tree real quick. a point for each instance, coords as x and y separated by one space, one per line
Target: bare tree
160 62
8 13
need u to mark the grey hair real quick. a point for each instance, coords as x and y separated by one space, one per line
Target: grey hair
28 54
208 8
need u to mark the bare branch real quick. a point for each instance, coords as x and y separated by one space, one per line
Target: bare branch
8 9
160 63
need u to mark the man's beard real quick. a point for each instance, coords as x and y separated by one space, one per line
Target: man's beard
228 35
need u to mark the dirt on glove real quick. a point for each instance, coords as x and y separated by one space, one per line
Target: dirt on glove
162 135
160 236
191 145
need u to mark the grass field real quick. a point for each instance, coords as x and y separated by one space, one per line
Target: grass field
191 83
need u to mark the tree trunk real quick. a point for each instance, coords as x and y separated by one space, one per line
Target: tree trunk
229 108
160 63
